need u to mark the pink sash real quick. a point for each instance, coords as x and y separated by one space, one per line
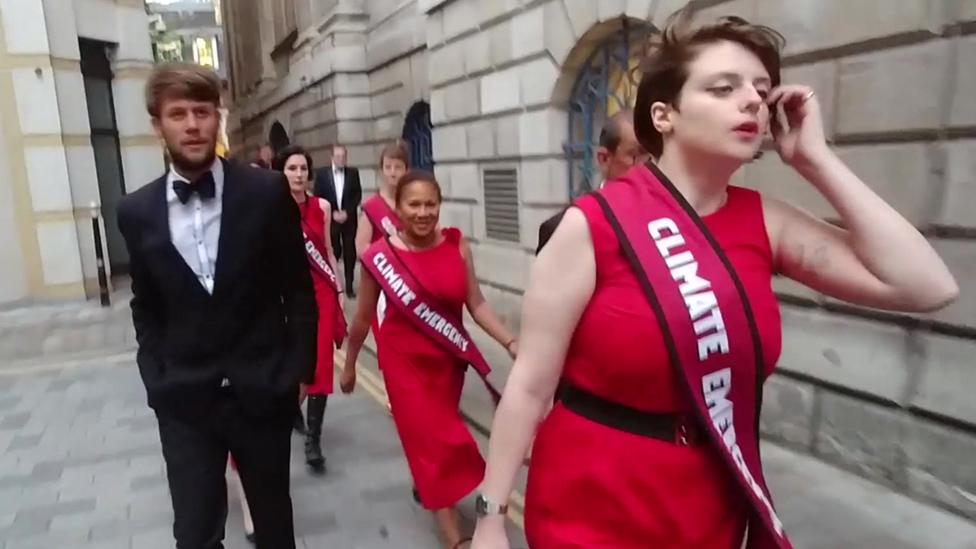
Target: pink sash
320 266
707 324
384 220
429 316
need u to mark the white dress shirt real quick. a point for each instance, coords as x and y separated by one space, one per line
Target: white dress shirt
194 227
339 178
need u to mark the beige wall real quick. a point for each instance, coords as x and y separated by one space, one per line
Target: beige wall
47 151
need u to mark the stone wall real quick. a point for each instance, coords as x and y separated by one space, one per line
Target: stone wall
885 395
882 394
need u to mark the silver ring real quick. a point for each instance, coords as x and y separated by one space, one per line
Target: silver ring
809 94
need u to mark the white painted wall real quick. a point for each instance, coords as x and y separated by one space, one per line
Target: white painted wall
96 19
47 174
13 278
130 107
37 101
141 164
24 26
62 34
60 257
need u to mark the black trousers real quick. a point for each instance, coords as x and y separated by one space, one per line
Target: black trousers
344 246
196 461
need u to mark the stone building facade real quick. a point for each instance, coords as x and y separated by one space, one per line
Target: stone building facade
188 30
517 88
73 133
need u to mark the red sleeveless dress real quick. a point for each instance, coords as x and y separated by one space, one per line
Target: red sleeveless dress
379 232
424 384
595 487
325 297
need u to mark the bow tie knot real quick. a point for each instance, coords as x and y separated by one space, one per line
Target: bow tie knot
204 186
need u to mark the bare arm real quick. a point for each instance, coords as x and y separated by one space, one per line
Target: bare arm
561 284
880 260
480 309
364 234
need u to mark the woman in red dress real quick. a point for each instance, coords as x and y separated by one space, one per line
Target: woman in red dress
423 380
379 219
623 460
316 217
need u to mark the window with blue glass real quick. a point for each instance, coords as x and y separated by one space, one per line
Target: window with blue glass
607 82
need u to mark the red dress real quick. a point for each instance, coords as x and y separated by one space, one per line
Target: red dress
325 297
424 384
592 486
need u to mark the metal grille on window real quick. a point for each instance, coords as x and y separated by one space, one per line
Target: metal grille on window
501 204
607 82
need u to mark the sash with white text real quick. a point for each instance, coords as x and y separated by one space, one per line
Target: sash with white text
707 324
385 221
320 266
404 292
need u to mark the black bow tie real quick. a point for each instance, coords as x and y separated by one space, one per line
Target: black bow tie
204 186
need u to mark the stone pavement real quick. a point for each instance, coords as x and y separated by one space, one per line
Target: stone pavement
80 464
80 467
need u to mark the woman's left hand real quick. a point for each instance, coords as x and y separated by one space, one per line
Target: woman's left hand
347 381
803 139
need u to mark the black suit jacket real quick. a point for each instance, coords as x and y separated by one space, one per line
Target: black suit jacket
258 329
352 191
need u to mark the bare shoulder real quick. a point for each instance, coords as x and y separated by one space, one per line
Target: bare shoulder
572 228
324 204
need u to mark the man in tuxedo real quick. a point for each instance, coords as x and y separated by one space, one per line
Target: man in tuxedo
618 152
224 313
340 185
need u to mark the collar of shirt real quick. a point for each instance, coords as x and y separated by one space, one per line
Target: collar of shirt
338 169
217 169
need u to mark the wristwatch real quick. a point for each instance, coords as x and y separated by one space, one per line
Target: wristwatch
483 507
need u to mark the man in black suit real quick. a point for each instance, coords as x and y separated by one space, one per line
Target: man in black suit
224 313
618 152
340 185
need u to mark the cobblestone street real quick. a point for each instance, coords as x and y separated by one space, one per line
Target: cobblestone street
81 467
80 463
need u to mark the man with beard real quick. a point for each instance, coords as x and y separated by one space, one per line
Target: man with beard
224 313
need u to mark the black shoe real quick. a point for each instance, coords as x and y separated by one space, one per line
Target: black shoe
350 293
313 447
250 537
416 495
299 425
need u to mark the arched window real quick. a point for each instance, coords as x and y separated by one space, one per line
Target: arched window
416 132
606 83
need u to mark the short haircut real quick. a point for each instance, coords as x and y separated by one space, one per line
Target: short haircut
396 151
665 67
612 132
414 176
181 81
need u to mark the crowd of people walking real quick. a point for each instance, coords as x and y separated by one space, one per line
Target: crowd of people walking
648 324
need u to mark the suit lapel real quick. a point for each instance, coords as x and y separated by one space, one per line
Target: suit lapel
229 243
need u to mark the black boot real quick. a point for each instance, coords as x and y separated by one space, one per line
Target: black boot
313 434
